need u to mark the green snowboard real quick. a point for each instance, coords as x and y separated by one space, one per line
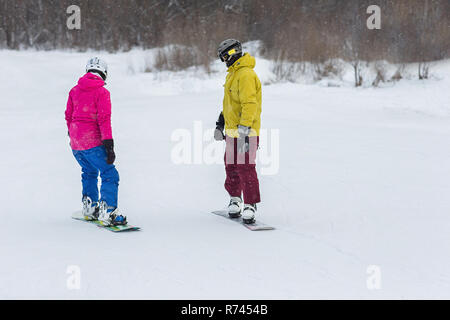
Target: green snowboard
79 216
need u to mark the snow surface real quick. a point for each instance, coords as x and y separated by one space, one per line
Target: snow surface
363 180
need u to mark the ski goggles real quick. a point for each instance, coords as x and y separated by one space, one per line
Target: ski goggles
225 56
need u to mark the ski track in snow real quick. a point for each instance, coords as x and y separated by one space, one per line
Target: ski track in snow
364 180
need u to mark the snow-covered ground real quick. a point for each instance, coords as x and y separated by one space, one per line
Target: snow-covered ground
361 199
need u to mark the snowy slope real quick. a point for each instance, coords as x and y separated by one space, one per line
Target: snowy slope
364 179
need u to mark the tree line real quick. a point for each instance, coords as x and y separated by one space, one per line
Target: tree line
292 30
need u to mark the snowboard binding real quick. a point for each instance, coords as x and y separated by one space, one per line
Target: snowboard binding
234 215
90 209
248 215
109 216
234 208
117 220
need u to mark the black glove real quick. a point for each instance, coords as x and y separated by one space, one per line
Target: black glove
243 140
109 146
220 125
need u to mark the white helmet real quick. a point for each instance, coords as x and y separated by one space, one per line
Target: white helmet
97 65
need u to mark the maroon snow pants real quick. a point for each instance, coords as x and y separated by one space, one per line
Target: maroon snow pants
241 171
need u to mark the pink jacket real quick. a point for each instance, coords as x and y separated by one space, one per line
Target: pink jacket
88 113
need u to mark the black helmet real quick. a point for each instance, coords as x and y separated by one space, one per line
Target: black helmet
229 51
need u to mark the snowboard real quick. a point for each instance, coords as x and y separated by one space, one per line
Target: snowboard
256 226
79 216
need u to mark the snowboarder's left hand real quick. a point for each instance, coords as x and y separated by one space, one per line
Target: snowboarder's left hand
243 141
109 147
220 125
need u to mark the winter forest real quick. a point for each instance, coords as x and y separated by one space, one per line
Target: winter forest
342 106
290 30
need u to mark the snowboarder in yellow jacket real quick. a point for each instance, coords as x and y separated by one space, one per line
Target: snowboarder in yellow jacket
241 121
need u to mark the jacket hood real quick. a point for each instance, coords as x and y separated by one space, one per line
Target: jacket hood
245 61
90 82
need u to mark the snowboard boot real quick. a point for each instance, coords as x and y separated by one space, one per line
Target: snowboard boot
90 209
248 215
109 216
235 207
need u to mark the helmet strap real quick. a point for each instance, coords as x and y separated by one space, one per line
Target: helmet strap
232 59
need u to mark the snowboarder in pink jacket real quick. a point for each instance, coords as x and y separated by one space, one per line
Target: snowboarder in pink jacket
88 118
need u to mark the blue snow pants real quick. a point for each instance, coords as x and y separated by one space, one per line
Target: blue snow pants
93 162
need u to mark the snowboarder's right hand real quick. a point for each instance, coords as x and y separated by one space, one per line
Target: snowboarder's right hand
109 147
220 125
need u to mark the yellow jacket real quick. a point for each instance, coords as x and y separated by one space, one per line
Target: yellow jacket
242 98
